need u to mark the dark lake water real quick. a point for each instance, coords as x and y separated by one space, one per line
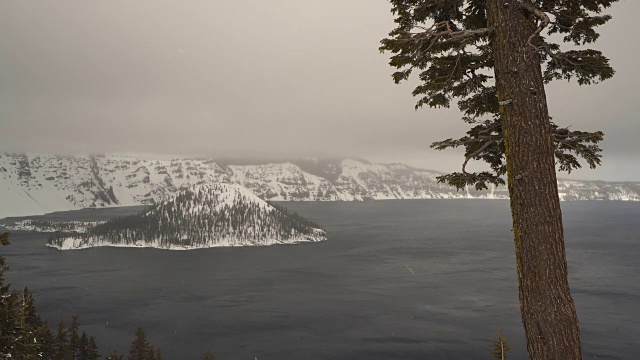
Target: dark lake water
416 279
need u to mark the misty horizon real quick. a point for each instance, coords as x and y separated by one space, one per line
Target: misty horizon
248 160
297 79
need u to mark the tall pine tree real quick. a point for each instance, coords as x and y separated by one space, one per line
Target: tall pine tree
48 342
9 318
140 348
27 344
74 338
62 347
494 58
92 349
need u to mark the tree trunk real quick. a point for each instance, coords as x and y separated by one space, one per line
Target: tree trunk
548 313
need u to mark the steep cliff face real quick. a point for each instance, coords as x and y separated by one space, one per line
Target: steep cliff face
34 184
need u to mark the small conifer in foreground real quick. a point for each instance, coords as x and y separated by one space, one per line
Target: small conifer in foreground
500 347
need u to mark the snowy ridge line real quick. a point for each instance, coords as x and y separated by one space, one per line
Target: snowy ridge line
33 184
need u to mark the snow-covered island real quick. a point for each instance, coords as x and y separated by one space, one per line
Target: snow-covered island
203 216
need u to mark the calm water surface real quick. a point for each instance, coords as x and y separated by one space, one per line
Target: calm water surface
423 279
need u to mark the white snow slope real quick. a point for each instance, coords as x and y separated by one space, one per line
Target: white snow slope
32 184
202 216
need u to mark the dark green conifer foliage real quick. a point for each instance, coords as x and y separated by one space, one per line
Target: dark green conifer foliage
140 348
8 304
448 45
61 341
27 343
92 349
9 327
74 338
84 347
4 239
4 288
47 342
150 354
208 356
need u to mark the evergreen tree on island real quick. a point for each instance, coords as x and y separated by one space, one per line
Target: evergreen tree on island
494 58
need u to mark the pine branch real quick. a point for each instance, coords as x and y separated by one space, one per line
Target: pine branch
544 19
454 57
584 64
485 142
480 180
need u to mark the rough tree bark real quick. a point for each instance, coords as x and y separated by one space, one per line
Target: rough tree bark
548 312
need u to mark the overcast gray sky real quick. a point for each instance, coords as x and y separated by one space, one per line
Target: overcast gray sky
256 78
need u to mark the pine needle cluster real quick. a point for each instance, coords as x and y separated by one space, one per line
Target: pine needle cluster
448 46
